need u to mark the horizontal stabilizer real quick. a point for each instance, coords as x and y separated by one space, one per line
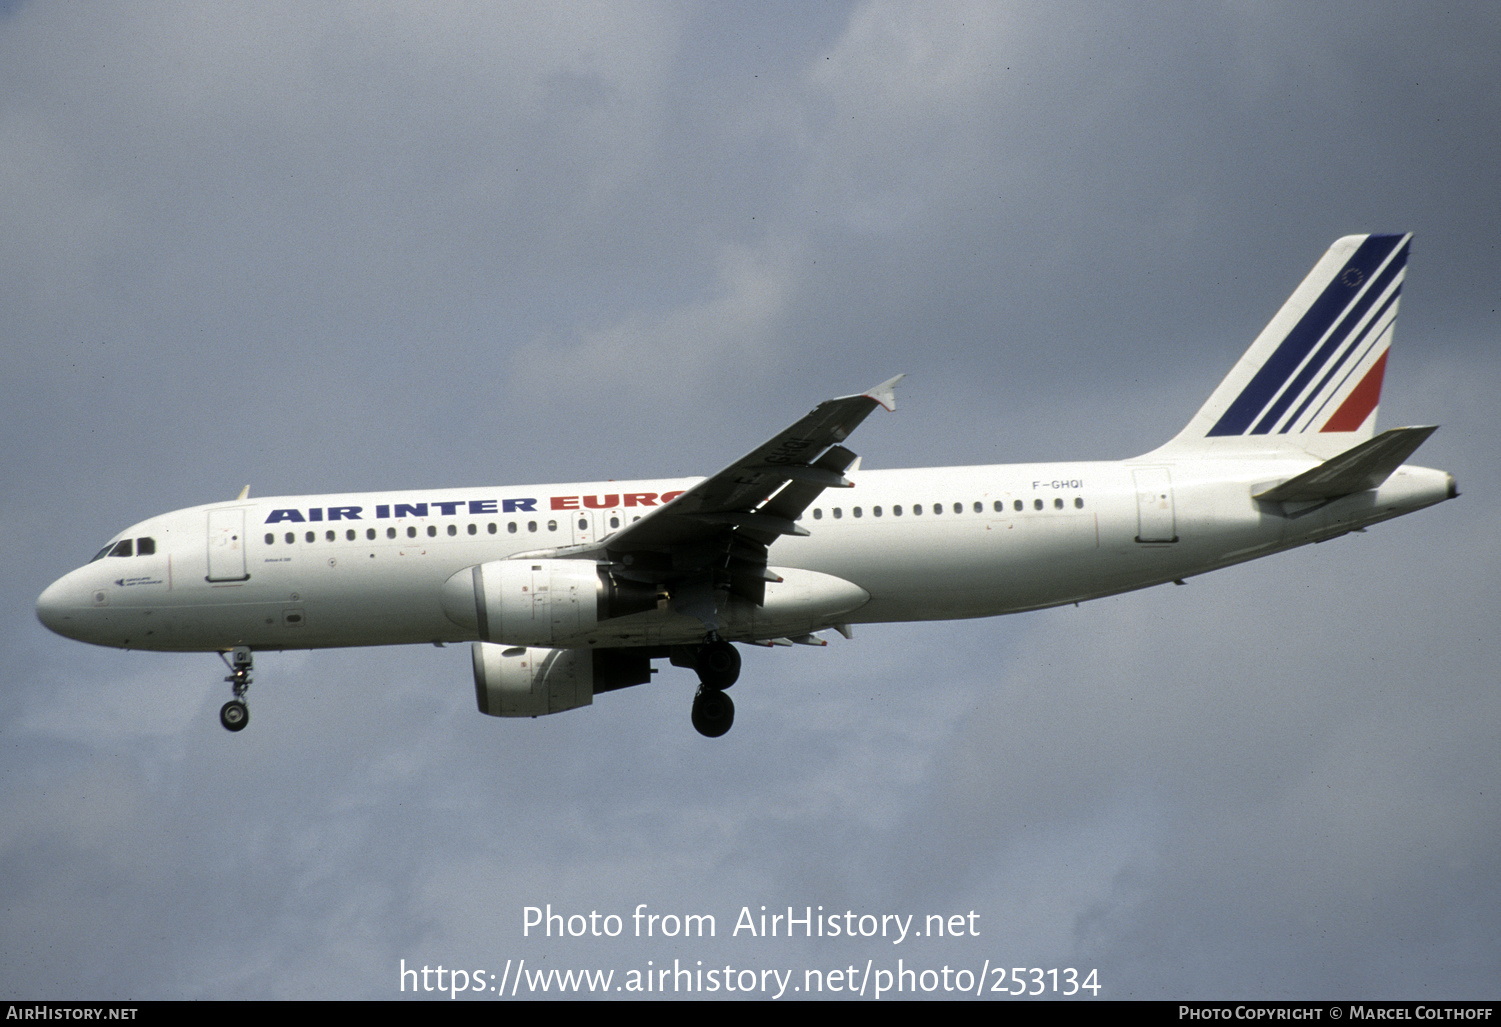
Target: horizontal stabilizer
1355 470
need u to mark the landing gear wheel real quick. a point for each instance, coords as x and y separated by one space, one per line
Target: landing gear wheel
234 715
718 664
713 712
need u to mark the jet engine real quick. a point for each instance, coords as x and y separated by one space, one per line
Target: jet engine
531 682
539 602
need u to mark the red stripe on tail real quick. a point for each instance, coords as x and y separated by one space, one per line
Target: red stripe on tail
1359 404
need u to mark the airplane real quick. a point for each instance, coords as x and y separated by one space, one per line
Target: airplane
568 591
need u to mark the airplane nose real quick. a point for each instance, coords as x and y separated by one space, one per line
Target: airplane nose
56 608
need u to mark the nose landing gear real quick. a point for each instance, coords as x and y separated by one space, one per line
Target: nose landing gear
234 715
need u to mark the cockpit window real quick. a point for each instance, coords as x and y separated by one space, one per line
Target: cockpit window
128 547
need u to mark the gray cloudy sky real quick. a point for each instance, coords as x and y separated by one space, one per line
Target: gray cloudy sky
355 246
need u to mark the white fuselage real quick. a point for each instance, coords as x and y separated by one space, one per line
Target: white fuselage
922 544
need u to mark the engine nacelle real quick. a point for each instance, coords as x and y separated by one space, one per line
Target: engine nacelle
566 604
539 602
532 682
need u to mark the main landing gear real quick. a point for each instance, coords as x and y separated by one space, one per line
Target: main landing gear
718 665
234 715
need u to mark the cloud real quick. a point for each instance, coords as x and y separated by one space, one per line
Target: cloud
655 356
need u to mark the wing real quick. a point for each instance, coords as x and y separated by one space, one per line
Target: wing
805 454
717 535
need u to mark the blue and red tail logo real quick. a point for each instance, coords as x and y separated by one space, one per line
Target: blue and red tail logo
1324 375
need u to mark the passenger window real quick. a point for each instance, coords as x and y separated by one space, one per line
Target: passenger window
349 534
411 531
875 511
1037 504
432 531
270 539
329 535
145 547
370 534
999 506
979 508
916 509
1078 502
474 529
531 525
390 533
583 524
817 514
937 509
492 527
511 527
453 529
896 511
856 511
958 508
1018 506
552 525
1058 503
311 536
838 513
614 521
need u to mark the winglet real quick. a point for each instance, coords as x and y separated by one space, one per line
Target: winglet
885 393
244 493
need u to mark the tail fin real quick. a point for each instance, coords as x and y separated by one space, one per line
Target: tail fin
1312 379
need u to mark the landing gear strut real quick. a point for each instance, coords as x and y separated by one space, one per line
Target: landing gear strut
718 665
234 715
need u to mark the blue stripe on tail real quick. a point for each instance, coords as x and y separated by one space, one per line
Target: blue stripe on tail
1251 407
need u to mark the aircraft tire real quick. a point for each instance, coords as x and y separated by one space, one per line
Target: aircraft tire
234 715
718 664
713 712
